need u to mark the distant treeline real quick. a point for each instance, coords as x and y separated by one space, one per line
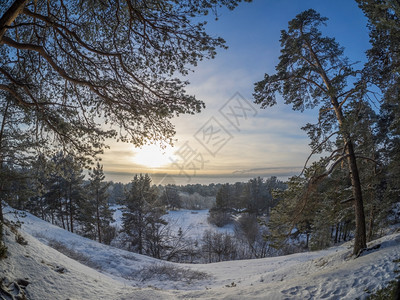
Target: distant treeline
55 190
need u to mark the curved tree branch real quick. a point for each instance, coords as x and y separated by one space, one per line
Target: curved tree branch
316 149
10 15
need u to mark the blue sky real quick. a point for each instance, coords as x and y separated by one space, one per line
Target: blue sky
216 145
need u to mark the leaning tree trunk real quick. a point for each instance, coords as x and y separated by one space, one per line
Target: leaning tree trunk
360 239
10 15
360 235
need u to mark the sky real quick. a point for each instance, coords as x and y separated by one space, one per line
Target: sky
233 139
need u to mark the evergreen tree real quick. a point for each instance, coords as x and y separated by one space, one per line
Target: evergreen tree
287 220
142 214
95 212
170 197
120 61
40 170
221 212
383 69
256 196
74 194
313 72
224 198
65 189
116 193
17 145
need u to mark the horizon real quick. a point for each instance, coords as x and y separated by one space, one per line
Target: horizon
232 134
205 179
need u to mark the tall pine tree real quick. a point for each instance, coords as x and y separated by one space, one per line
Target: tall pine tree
314 73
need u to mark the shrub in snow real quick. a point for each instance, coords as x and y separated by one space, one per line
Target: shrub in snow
168 272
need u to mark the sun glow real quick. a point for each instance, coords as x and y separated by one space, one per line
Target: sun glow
152 156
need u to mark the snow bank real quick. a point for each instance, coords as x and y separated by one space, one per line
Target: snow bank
330 274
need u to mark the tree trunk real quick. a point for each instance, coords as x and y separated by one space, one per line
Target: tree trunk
98 215
360 239
140 242
3 124
10 15
71 208
62 212
344 230
140 232
1 212
337 233
371 224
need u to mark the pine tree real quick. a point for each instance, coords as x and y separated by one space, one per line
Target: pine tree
40 170
142 214
383 69
221 212
118 61
17 145
313 72
256 196
65 191
116 193
170 197
96 213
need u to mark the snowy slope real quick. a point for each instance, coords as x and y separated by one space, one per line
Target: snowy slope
328 274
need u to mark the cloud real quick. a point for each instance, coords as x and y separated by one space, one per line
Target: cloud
271 141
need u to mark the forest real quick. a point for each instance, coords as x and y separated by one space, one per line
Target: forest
55 190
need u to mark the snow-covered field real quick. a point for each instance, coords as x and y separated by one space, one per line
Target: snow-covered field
192 222
117 274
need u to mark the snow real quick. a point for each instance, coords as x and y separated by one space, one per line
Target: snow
327 274
192 222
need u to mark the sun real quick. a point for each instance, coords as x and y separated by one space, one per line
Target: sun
152 156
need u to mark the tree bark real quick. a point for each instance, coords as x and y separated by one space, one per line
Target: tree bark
10 15
371 224
1 159
360 239
98 215
1 211
61 211
71 208
360 234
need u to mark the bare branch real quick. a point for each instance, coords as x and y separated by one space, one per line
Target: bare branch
367 158
314 83
347 200
316 149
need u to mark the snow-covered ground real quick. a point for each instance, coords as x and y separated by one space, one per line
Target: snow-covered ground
328 274
192 222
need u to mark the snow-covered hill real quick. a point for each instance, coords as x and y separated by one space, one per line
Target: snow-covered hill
117 274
